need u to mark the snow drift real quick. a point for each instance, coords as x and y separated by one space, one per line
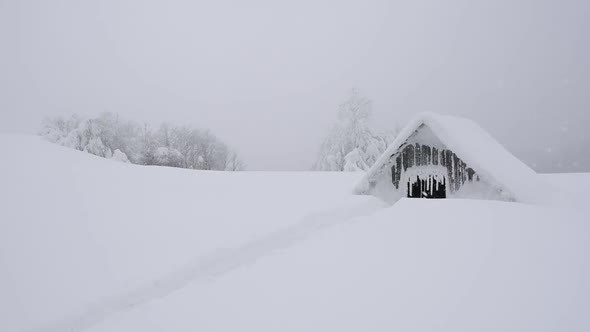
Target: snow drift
492 266
92 244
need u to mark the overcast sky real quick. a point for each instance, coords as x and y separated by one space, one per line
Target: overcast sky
267 76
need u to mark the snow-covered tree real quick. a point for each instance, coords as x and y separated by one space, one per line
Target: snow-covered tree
351 145
109 136
100 136
148 146
63 131
118 155
353 162
234 163
165 156
118 134
96 147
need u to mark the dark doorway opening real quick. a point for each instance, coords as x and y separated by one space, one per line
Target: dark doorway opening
427 188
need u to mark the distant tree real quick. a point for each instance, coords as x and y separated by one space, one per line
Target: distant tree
148 146
350 144
166 156
118 134
164 135
234 163
100 136
62 131
110 137
120 156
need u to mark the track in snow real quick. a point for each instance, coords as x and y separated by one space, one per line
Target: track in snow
206 267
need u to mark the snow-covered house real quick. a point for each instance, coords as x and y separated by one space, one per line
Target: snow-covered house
438 156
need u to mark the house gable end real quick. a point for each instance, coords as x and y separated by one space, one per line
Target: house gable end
469 151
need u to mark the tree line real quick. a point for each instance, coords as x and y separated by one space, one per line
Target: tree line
351 145
110 136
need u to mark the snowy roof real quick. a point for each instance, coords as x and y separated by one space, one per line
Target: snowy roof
476 148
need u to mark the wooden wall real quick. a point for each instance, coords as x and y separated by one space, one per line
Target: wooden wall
416 155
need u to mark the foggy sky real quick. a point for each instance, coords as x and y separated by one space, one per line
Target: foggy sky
267 76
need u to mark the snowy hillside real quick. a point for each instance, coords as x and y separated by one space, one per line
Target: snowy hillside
97 245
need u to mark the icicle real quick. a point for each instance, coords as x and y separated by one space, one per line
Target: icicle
402 173
431 186
403 165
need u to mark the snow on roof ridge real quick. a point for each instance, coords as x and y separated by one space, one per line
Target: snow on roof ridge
476 148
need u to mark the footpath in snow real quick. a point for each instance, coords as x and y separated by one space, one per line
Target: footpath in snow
209 267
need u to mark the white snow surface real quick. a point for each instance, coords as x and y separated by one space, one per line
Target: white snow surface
490 160
90 244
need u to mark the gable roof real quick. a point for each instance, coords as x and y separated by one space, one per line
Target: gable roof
491 161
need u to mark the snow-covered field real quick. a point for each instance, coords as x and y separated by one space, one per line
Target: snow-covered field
97 245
